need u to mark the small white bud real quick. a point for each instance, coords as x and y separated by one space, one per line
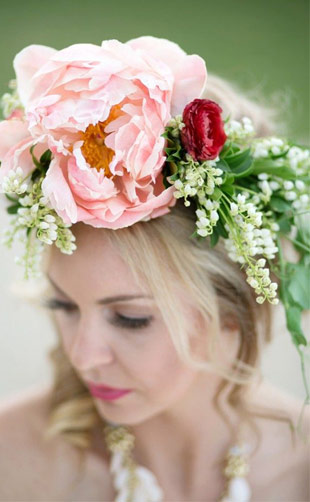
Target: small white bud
203 232
290 195
50 218
288 185
300 185
34 208
260 299
214 216
204 221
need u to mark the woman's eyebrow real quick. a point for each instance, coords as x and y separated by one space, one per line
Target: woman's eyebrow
108 299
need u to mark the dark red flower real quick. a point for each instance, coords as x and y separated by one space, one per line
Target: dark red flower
203 136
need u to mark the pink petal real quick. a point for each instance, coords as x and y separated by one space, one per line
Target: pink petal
11 132
87 183
189 71
56 189
19 156
26 63
191 78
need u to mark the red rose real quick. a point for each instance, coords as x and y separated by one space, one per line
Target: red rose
203 136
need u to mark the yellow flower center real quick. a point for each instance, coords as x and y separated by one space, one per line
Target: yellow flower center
94 150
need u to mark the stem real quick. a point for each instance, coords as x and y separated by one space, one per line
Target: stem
302 212
297 243
302 362
245 189
307 398
282 271
286 306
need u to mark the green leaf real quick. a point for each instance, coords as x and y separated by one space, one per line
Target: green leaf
293 320
214 237
35 160
221 229
10 198
269 166
237 158
36 174
244 169
46 158
217 194
228 188
241 163
299 285
285 224
222 164
279 205
13 209
303 229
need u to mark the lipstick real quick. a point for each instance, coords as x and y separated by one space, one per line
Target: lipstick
107 393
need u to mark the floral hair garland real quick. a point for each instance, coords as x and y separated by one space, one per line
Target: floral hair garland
112 135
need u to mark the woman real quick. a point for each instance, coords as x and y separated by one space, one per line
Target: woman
168 321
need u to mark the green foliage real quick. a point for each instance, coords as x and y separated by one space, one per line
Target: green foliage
298 288
270 166
42 165
13 209
279 205
240 163
293 319
10 198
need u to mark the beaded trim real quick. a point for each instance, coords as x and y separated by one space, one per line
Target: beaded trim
134 483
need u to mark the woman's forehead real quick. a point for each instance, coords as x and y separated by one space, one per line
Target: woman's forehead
95 265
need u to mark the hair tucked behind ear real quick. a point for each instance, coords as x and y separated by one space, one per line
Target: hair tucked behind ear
161 253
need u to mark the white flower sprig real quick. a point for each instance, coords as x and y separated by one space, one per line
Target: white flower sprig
246 239
35 222
240 131
10 101
266 147
197 179
14 182
207 217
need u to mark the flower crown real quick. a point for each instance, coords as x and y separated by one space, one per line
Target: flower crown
113 134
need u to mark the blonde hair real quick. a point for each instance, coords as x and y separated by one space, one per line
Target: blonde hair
161 253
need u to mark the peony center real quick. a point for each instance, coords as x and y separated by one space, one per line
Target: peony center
94 149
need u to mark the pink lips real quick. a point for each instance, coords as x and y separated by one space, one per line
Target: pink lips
107 393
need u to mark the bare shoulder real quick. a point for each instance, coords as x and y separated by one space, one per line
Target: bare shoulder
24 456
280 469
36 469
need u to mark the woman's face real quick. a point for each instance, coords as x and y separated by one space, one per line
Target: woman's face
113 332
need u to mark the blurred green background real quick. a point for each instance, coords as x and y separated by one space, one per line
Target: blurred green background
261 45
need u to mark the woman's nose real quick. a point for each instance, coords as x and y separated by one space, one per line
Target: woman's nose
90 348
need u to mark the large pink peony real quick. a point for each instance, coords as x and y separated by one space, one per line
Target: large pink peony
101 110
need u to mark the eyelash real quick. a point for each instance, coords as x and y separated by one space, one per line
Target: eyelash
119 320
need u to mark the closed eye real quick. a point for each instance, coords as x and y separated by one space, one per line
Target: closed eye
117 320
54 304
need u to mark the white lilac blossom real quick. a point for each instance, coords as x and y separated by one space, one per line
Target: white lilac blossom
299 159
239 130
264 147
295 191
35 222
207 217
246 239
10 101
199 179
15 182
177 125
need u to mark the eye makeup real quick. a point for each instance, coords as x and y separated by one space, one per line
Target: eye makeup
117 319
